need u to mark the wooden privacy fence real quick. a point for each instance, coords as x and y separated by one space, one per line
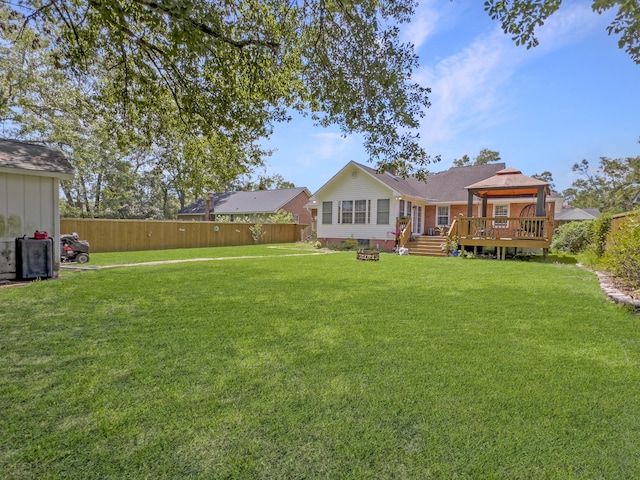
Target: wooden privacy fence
132 235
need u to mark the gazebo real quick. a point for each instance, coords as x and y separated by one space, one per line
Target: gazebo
532 228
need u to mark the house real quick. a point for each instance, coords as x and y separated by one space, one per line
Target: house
361 203
29 194
258 204
576 214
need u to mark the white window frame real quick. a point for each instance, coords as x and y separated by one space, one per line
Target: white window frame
345 215
386 212
348 216
327 213
439 215
504 213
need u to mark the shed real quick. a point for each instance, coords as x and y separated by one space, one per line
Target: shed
29 197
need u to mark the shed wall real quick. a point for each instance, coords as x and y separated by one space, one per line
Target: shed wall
27 203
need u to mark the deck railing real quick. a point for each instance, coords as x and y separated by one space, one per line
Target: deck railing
502 228
404 227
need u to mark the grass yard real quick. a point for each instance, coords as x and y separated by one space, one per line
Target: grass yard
319 367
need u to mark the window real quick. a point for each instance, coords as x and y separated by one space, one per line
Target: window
501 211
442 215
360 211
346 215
383 211
327 212
296 218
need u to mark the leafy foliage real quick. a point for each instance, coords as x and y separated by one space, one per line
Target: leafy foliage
257 233
622 257
229 70
599 230
611 187
485 156
281 216
520 19
545 176
572 237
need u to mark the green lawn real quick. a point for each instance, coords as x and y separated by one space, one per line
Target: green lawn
319 367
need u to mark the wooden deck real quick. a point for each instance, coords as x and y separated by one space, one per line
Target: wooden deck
503 232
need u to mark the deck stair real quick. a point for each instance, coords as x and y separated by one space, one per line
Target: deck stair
425 245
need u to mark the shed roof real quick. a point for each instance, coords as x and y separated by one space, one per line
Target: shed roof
508 182
252 202
31 159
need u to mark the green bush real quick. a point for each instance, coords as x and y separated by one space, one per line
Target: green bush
622 257
351 244
599 231
572 237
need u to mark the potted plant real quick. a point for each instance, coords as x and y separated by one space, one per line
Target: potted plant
450 245
443 230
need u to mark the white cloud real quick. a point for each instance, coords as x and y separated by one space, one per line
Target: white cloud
329 145
423 24
472 88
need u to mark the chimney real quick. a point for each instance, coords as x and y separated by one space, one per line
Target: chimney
208 207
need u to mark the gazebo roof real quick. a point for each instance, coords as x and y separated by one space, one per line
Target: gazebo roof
508 182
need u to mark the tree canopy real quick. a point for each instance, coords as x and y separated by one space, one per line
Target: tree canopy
520 19
232 69
485 156
610 187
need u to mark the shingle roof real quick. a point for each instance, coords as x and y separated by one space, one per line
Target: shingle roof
578 214
507 182
34 158
447 186
235 203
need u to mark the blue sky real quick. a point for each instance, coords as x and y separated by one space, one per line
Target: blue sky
574 97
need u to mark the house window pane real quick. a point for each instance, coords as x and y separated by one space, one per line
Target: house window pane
383 211
501 211
327 211
443 215
360 211
347 211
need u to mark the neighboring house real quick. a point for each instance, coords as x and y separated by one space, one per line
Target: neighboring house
257 204
29 197
358 202
576 214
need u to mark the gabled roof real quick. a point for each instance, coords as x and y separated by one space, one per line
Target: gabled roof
578 214
30 159
237 203
508 182
446 187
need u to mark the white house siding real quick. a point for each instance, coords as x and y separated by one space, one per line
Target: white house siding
345 186
27 203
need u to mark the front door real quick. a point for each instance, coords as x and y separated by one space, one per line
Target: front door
416 220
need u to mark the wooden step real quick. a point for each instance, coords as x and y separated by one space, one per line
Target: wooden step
426 245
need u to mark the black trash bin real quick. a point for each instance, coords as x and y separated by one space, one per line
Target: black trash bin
34 258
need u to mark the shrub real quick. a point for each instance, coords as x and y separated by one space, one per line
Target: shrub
599 231
351 244
622 257
257 232
572 237
281 216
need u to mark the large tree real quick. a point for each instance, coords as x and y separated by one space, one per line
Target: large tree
520 18
610 187
233 68
485 156
129 163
